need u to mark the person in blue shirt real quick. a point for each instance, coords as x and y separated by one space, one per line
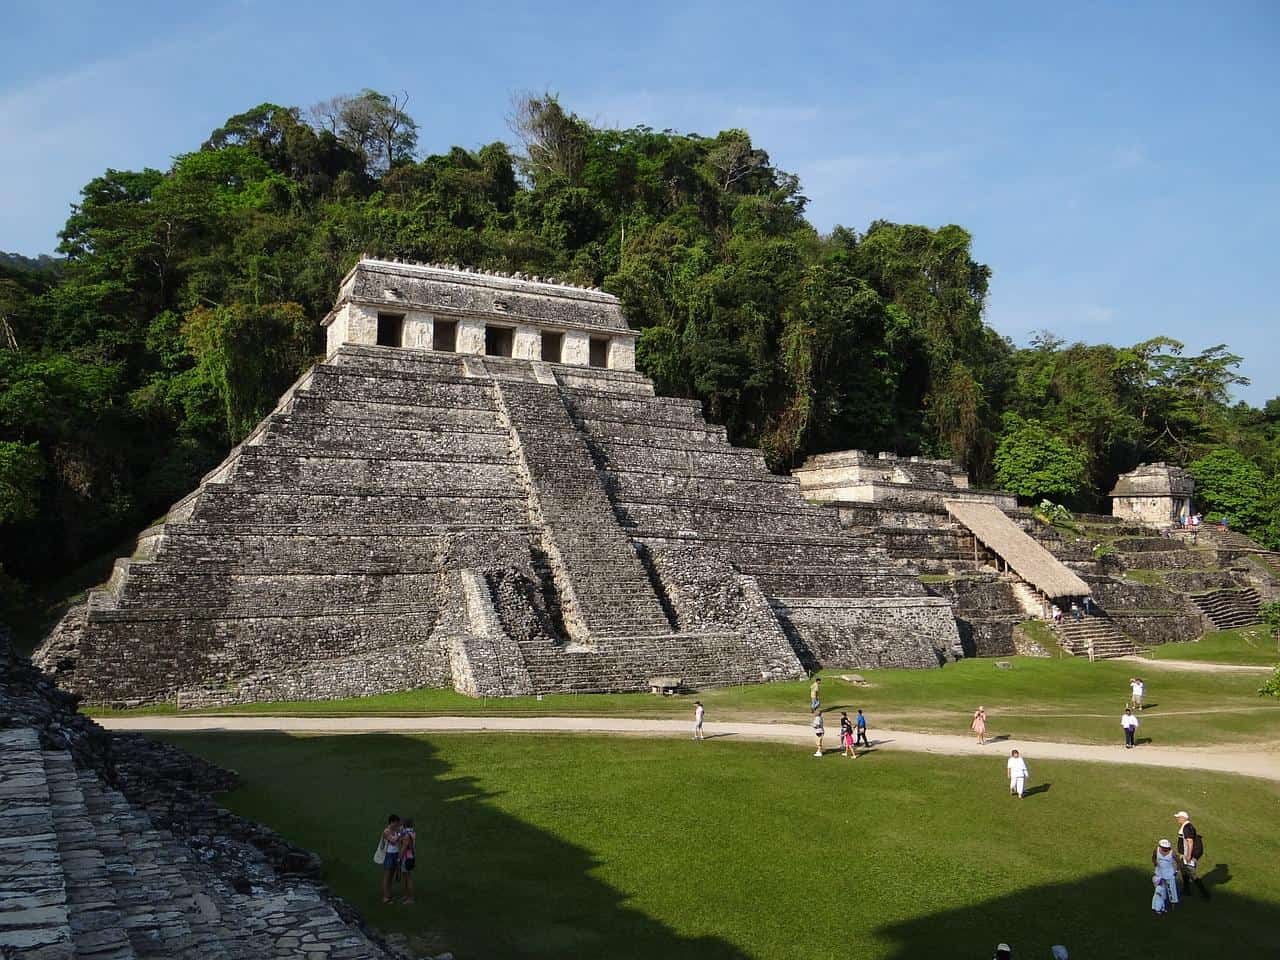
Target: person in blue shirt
861 724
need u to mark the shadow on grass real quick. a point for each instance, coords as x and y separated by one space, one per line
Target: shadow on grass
1037 789
1106 915
487 884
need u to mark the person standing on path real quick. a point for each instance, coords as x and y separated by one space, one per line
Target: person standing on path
1190 849
846 736
1166 869
979 724
699 713
1018 774
1130 724
818 732
1136 691
815 695
861 724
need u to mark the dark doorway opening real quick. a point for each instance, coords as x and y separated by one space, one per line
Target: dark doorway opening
390 330
444 336
498 341
599 356
552 347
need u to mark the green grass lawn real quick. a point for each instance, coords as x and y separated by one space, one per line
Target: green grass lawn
570 846
1253 646
1048 699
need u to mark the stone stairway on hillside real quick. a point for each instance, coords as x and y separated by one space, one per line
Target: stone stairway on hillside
86 875
1228 608
605 589
1097 638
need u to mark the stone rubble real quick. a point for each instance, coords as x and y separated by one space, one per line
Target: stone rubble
112 849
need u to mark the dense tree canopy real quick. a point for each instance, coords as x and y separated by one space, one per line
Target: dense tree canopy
187 299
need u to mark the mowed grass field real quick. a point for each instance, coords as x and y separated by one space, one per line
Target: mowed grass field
575 846
1047 699
1253 646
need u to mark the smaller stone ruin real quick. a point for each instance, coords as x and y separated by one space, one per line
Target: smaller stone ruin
1155 495
111 849
860 477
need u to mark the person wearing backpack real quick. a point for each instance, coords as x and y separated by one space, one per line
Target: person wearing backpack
1190 850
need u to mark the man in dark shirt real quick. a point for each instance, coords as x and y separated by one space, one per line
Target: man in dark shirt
1187 859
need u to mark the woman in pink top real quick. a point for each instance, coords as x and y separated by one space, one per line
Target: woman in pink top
979 725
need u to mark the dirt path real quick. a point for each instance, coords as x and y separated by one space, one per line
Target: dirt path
1199 666
1259 762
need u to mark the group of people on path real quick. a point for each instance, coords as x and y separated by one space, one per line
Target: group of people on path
397 854
853 732
1175 867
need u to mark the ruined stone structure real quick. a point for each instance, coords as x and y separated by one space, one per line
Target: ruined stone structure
111 849
855 476
993 570
1155 494
475 489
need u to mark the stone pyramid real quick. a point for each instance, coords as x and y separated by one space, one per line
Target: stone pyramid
476 490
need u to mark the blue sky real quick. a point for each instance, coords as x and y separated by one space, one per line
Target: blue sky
1116 164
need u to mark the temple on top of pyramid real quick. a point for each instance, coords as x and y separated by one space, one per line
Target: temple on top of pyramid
475 489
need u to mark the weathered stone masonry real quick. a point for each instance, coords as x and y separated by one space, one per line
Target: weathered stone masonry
503 524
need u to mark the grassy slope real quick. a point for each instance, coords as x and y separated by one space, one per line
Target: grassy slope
619 848
1047 699
1248 645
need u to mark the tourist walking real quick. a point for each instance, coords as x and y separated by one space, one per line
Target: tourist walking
815 695
408 859
1137 690
817 732
1162 860
846 735
1160 896
1130 724
388 853
699 713
1018 774
1190 850
861 724
979 724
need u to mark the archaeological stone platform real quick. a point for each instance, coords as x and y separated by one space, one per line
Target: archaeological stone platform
475 489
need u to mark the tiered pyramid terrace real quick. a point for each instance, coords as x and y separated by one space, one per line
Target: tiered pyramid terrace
482 518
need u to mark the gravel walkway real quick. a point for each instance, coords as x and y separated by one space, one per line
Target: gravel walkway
1253 761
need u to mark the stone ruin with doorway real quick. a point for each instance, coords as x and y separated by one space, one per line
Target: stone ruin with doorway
475 489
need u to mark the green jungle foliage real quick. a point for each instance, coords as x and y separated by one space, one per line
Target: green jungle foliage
186 300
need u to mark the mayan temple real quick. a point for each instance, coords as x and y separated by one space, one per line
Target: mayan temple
475 489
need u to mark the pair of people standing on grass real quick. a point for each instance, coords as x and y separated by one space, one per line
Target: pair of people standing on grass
397 854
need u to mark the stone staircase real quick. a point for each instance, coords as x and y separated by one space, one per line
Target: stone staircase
1227 609
1097 638
86 875
605 590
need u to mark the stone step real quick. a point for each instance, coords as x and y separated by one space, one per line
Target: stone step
97 926
34 915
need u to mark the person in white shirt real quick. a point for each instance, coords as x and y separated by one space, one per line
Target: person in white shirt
818 731
1136 689
1017 774
1130 724
699 712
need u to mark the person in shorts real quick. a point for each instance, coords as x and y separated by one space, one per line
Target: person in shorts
408 860
1137 690
818 731
815 695
846 735
699 714
391 855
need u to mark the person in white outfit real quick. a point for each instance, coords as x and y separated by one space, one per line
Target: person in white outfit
699 713
1017 774
818 731
1130 724
1167 870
